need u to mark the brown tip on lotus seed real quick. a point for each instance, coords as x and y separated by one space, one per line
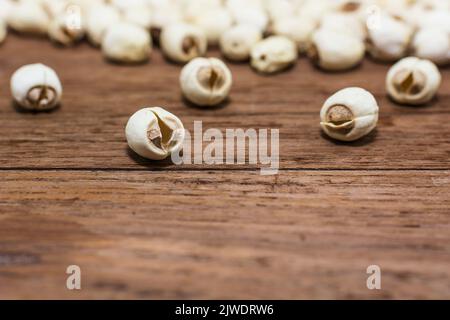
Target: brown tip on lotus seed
339 118
70 33
155 32
66 32
350 6
190 46
161 135
409 82
211 77
339 114
313 54
369 44
154 135
40 97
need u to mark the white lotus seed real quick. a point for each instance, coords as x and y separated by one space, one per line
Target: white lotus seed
358 8
433 5
315 9
418 14
206 81
193 9
164 15
36 87
138 15
28 17
432 43
237 42
154 133
349 114
435 18
54 8
280 9
6 7
81 6
297 29
252 16
413 81
61 32
341 22
127 43
336 51
124 5
183 42
234 5
99 19
273 54
214 23
389 38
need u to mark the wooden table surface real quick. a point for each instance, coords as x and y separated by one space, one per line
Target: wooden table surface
72 193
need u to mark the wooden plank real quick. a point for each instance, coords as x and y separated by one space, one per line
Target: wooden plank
60 141
300 234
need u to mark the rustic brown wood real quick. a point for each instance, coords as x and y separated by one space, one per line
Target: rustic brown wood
301 234
86 141
71 192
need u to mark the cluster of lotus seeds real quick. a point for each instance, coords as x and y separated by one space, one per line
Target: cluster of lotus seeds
335 34
269 34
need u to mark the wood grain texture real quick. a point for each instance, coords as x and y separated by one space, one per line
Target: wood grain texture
236 234
71 192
